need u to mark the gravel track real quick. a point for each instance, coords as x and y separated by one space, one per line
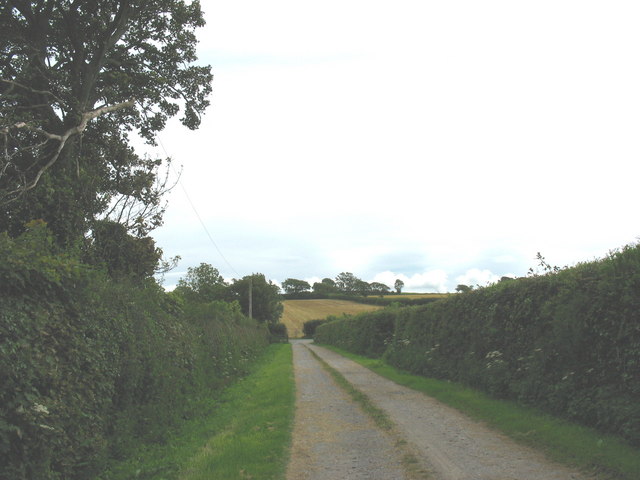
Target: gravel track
448 444
332 438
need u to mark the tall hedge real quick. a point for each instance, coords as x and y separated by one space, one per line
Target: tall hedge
89 367
568 343
367 334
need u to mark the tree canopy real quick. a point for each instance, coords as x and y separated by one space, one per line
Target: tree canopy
203 284
347 282
293 285
266 301
378 288
76 79
325 287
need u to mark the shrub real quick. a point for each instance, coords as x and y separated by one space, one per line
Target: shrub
367 333
278 332
309 327
89 366
567 342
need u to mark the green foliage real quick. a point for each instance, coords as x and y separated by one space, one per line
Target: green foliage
29 265
278 332
347 282
258 408
309 327
567 342
366 334
75 79
377 288
122 254
293 285
250 433
89 366
566 442
387 301
326 287
203 284
262 295
461 288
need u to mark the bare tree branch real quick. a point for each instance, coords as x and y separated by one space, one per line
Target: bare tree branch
61 139
32 90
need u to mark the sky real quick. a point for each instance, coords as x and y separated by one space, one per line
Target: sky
439 142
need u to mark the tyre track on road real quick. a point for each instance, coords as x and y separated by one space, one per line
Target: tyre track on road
450 445
333 439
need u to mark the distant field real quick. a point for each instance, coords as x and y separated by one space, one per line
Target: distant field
296 312
419 295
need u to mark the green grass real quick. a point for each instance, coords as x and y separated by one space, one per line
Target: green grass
561 440
245 435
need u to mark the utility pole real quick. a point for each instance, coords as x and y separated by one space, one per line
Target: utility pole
250 297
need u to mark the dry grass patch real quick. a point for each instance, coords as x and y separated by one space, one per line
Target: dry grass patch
296 312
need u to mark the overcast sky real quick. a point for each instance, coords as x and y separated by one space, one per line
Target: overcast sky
440 142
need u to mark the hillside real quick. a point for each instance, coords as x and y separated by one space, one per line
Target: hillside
296 312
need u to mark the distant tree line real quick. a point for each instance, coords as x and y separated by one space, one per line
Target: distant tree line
346 283
204 284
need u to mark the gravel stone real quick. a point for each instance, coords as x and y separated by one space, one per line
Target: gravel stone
449 445
332 438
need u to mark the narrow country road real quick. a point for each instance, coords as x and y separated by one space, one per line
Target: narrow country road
332 440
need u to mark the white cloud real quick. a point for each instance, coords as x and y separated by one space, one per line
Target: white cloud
312 280
475 276
431 281
342 134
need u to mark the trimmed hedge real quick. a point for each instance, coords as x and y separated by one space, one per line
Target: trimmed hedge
367 334
567 343
368 300
385 301
88 368
309 327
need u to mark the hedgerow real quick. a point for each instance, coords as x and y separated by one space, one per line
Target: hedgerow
366 334
567 342
89 367
309 327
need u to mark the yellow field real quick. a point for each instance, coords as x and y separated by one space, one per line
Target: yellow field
296 312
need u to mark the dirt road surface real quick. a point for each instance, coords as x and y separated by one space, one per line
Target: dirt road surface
332 438
330 433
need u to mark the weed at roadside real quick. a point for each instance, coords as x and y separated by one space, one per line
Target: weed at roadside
246 429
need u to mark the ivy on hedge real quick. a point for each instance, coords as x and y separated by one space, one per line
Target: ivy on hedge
88 367
568 342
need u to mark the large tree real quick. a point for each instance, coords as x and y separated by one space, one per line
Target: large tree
262 295
293 285
378 288
347 282
326 287
203 284
76 78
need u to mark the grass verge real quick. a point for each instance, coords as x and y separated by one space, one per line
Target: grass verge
245 434
563 441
